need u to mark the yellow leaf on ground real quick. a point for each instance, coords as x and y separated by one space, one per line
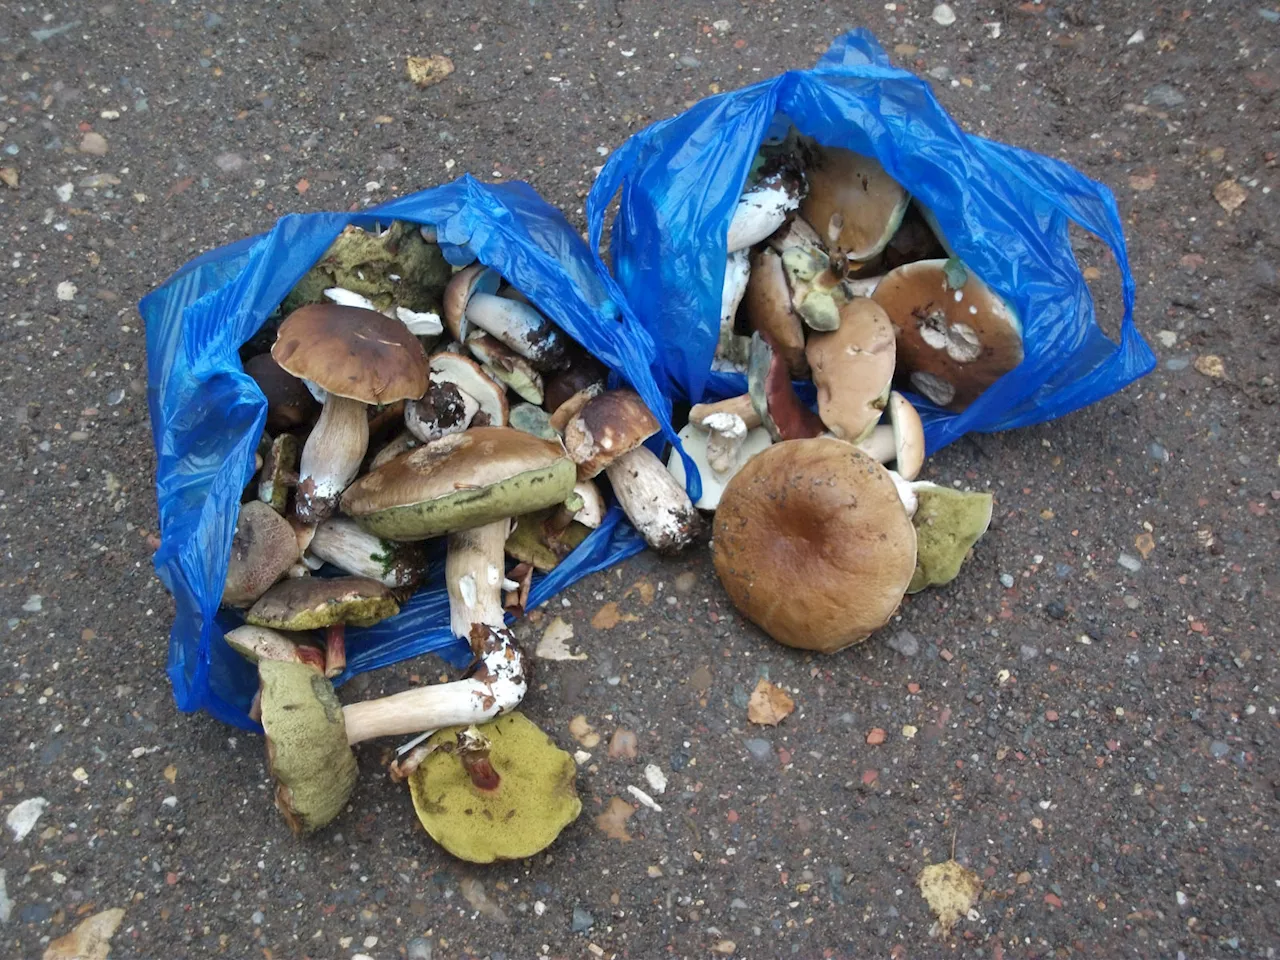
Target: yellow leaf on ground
1230 195
769 705
644 589
554 644
91 940
1143 181
613 822
950 890
1211 366
1145 544
608 617
425 71
171 773
583 732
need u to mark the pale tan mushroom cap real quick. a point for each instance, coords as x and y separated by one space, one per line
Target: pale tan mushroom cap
767 303
908 435
852 367
869 203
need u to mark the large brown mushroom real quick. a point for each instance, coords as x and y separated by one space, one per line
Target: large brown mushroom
357 357
852 368
852 201
263 549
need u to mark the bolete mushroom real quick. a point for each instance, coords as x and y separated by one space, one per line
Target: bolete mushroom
289 402
774 397
852 367
460 395
956 336
279 472
500 791
852 201
767 306
900 441
460 481
506 366
608 435
263 548
762 209
354 550
948 523
732 349
812 544
718 454
476 278
329 604
358 357
584 372
544 538
259 643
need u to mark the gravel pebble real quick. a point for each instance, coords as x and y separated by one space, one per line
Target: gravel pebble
761 750
1219 749
904 643
1164 95
582 920
1130 563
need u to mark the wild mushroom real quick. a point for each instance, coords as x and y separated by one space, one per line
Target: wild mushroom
421 323
948 523
460 481
532 420
740 406
573 406
774 398
732 349
608 435
504 365
812 544
354 550
767 305
358 357
402 442
816 282
521 327
262 550
500 791
476 278
762 208
900 441
956 336
544 538
852 367
584 372
259 643
716 466
279 472
852 201
460 395
330 604
289 403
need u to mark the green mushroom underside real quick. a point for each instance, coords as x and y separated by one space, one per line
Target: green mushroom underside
536 798
529 543
308 752
948 523
356 612
466 509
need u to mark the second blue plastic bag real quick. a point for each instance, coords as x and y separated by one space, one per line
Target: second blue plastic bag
1005 212
207 414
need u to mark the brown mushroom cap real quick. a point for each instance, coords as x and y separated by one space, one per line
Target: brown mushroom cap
774 398
852 368
289 402
812 544
263 548
767 304
610 425
956 336
353 353
460 481
461 285
314 602
867 202
584 371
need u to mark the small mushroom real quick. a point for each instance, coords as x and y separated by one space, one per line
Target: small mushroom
504 365
289 402
732 350
468 377
501 791
262 550
852 201
740 406
279 472
477 278
948 523
460 481
519 326
354 550
767 306
812 544
573 406
716 471
852 367
608 435
900 441
315 603
956 336
532 420
774 397
762 209
358 357
584 372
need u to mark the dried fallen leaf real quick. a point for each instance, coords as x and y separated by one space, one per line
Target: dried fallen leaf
769 705
171 773
425 71
950 890
474 891
554 644
623 745
606 617
1145 544
1230 195
91 940
1092 273
9 177
583 732
642 588
613 822
1211 366
1143 181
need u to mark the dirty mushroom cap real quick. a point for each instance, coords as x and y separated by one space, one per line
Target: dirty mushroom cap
956 336
467 376
460 481
812 544
475 278
948 523
852 201
767 304
289 402
352 353
263 548
852 367
315 602
522 803
608 426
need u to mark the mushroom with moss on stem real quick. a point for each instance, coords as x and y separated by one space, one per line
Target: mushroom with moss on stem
263 548
358 357
948 523
608 435
354 550
852 368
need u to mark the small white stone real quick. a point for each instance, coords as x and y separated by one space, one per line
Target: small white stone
65 191
539 908
34 604
66 290
656 779
22 818
169 802
644 798
944 15
1137 37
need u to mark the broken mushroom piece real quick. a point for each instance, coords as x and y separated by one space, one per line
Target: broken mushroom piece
762 209
956 336
609 435
354 550
460 481
767 305
584 372
544 538
324 603
696 441
948 523
402 442
774 397
500 791
358 357
740 406
527 418
852 367
279 472
900 441
263 548
812 544
573 406
852 202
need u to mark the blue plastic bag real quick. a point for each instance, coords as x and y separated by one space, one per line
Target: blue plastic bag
1005 212
207 414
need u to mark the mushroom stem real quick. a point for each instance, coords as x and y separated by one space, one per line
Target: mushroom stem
520 327
653 501
740 405
335 649
473 573
331 457
761 211
354 550
473 751
880 446
725 435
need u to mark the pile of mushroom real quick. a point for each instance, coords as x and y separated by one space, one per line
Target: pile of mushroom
408 402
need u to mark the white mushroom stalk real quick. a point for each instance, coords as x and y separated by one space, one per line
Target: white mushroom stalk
733 350
331 456
351 548
725 435
654 502
761 211
473 573
519 326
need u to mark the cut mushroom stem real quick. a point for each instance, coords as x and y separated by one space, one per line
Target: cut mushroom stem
740 406
473 574
725 435
331 457
473 750
520 327
653 501
335 649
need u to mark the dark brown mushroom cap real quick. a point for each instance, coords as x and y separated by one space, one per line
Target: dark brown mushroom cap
351 352
812 544
311 603
610 425
584 371
263 548
289 402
